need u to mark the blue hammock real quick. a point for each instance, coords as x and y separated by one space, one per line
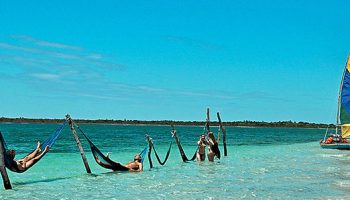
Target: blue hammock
50 141
12 165
105 161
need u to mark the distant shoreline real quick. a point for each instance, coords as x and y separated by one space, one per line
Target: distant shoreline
280 124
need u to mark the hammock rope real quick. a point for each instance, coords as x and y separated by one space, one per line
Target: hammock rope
182 152
151 145
166 156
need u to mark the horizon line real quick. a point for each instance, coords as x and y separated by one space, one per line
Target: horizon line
163 120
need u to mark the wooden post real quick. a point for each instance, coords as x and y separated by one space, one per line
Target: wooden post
208 121
75 135
5 178
150 144
223 134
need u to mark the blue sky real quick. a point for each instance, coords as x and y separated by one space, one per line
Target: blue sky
154 60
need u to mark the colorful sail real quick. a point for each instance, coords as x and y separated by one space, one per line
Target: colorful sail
343 115
345 130
344 107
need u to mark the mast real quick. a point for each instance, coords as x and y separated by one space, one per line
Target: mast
339 95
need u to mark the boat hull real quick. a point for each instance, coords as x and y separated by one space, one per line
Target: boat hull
340 146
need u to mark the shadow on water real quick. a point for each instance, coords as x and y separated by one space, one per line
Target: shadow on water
51 180
41 181
119 172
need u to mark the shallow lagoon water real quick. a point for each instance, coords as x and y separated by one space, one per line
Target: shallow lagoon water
262 163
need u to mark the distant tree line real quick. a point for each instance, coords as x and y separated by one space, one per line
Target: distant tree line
245 123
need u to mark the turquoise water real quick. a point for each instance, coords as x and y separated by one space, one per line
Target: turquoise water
262 163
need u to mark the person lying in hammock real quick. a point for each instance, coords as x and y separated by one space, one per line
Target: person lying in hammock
135 165
29 160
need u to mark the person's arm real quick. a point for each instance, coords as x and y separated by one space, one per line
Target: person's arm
140 167
210 142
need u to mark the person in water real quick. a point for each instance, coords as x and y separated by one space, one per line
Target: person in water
202 143
213 148
29 160
136 165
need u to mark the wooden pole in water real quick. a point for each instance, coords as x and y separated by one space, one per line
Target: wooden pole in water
208 121
150 145
223 134
75 135
5 178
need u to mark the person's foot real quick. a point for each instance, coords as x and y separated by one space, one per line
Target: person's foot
47 148
38 145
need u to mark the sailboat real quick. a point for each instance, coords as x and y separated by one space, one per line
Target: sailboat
338 140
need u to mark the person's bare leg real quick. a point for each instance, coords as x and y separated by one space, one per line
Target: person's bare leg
211 156
31 155
37 158
198 156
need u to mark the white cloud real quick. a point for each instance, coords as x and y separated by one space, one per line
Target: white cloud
81 70
94 56
17 48
32 57
46 43
46 76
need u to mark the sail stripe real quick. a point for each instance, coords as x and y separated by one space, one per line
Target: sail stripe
345 96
